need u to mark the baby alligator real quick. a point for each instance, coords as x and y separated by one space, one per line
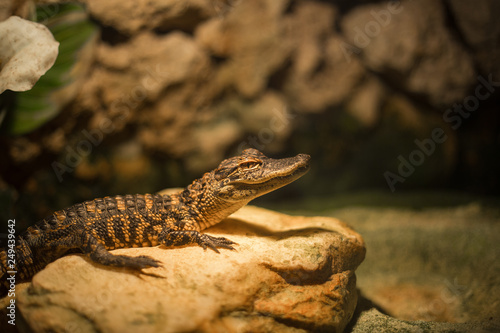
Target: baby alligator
97 226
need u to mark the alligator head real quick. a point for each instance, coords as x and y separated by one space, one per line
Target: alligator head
235 182
252 174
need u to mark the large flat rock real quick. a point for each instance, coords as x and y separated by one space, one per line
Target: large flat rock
288 274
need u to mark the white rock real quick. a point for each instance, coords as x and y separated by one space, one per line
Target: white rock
27 51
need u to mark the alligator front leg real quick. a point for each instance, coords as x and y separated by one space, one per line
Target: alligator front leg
169 237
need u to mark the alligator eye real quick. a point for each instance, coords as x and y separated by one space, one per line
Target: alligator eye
249 165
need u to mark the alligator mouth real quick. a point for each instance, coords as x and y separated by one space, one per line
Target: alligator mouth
280 178
296 173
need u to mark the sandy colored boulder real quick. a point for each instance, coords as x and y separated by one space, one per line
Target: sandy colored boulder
288 274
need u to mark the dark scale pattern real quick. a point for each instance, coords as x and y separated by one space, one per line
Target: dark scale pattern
96 226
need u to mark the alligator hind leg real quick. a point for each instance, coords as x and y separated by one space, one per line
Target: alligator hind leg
98 253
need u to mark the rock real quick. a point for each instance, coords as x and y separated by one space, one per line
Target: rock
288 274
176 58
129 17
478 25
366 101
248 36
320 75
163 82
269 119
409 44
27 51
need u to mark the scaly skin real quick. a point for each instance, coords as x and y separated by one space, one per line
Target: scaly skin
97 226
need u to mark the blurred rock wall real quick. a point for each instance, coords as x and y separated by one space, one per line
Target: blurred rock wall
384 94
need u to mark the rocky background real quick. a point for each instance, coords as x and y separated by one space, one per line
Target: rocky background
387 95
